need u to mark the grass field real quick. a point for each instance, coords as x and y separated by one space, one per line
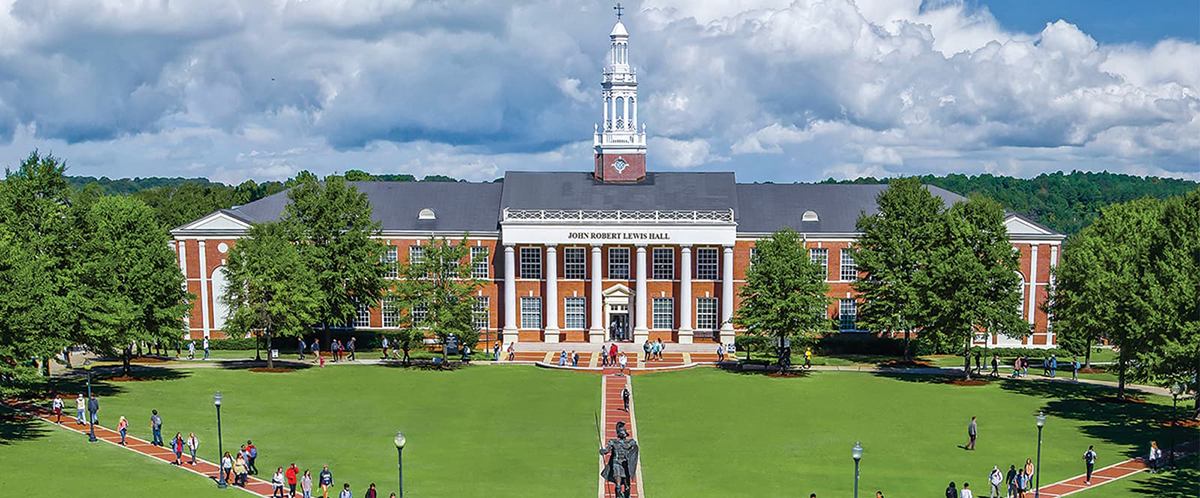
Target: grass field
1181 483
713 433
479 431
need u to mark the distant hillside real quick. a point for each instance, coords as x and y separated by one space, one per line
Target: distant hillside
1065 202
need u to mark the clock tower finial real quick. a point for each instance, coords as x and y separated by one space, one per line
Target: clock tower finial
619 144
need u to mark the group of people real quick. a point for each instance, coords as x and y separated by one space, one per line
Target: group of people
611 357
191 347
564 358
653 350
1049 367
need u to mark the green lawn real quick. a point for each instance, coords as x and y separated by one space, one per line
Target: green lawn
479 431
707 432
1181 483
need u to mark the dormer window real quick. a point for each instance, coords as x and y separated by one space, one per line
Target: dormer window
810 216
426 214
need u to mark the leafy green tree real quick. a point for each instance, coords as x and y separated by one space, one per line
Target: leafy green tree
785 293
271 289
972 283
38 266
355 175
1079 307
896 244
440 284
130 288
331 224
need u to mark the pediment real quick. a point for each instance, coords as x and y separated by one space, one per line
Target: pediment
1017 225
216 222
618 290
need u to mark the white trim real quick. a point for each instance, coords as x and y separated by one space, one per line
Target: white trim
204 304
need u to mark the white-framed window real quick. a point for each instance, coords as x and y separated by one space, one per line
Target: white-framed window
416 255
531 312
574 311
574 263
480 312
618 263
849 269
664 313
419 313
391 315
848 315
390 257
362 315
479 260
753 254
664 263
820 256
531 262
706 313
706 263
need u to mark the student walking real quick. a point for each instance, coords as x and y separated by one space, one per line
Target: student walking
624 361
326 481
177 448
383 344
193 444
625 398
951 491
123 428
370 491
290 476
972 432
995 365
966 491
226 467
316 349
239 471
996 478
94 407
1155 457
1053 365
496 351
277 483
346 491
251 457
350 347
1010 478
604 355
191 350
1089 459
511 352
301 346
306 485
57 405
206 348
647 351
1075 369
156 428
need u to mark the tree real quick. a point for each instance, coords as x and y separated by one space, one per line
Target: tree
972 283
408 339
440 285
896 244
784 297
270 287
130 288
330 223
1078 306
38 266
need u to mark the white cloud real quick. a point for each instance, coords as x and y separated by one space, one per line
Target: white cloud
778 90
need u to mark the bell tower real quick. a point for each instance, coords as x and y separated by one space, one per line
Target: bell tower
619 144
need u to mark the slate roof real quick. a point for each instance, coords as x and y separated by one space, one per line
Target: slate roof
459 206
663 191
765 208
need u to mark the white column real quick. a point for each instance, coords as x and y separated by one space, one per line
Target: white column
625 111
634 121
606 114
1033 264
685 295
551 273
1053 265
510 294
596 332
204 304
727 296
641 333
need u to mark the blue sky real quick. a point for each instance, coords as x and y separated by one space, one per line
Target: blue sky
775 90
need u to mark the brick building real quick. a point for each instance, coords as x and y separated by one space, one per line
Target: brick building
575 256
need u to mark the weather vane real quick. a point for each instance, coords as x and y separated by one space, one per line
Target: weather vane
618 8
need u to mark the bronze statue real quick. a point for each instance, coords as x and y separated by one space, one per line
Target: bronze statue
622 461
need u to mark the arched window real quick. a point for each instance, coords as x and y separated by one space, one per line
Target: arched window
810 216
426 214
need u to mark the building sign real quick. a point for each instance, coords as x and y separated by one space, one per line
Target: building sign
617 236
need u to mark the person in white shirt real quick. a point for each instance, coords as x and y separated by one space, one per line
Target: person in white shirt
346 491
57 405
191 350
206 348
193 444
277 484
995 479
80 406
966 491
1155 457
624 361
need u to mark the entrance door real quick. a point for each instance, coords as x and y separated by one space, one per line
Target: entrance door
620 327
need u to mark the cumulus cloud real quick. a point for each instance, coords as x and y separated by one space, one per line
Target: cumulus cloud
780 90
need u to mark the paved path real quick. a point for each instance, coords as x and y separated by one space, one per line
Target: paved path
614 411
1111 473
254 486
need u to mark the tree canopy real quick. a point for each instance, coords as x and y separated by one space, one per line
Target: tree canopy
435 291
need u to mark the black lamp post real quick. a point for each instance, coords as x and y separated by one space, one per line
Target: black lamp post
399 440
856 452
1037 473
87 367
220 449
1176 390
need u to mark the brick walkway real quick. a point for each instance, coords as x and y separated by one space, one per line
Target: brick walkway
614 411
1119 470
254 485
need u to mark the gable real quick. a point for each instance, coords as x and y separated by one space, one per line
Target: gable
1017 225
217 222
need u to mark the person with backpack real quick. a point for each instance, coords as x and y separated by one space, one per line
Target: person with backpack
325 479
996 478
277 483
1089 460
177 448
156 428
251 456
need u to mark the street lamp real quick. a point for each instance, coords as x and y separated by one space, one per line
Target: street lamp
87 367
1176 391
856 452
399 440
220 448
1037 475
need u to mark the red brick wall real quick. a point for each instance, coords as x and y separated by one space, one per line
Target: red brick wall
636 169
